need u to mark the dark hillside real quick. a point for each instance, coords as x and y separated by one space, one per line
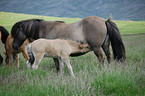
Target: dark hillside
118 9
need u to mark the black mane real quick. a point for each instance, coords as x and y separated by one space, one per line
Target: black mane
4 34
30 27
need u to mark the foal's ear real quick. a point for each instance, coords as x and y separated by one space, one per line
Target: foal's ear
5 52
84 46
81 46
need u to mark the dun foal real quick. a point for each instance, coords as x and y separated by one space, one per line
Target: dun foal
56 48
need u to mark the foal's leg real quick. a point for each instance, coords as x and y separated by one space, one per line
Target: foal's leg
61 65
67 62
38 58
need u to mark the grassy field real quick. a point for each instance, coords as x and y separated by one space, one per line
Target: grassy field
126 27
112 79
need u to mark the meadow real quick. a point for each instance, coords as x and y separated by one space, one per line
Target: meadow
114 79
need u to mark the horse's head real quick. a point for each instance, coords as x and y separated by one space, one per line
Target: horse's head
19 38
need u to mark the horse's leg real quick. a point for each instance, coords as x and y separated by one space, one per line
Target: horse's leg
105 47
98 53
61 65
67 62
38 58
56 61
17 61
25 55
10 59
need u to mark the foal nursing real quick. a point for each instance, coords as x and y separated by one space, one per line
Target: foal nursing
56 48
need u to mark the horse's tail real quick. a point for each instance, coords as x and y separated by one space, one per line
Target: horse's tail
4 34
30 53
116 41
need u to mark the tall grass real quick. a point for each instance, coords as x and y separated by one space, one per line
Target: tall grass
112 79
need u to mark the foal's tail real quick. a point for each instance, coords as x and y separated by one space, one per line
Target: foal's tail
4 34
116 41
30 53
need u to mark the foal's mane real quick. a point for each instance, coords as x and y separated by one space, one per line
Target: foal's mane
30 27
4 34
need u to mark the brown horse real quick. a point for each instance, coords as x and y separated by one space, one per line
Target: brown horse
95 31
12 54
56 48
3 36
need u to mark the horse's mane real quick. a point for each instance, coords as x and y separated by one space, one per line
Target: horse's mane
30 27
4 33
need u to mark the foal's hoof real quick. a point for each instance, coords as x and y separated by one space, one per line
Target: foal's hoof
34 67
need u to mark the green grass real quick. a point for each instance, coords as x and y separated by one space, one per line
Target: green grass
112 79
9 19
131 27
126 27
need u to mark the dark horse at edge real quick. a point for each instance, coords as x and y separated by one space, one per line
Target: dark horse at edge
95 31
3 36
